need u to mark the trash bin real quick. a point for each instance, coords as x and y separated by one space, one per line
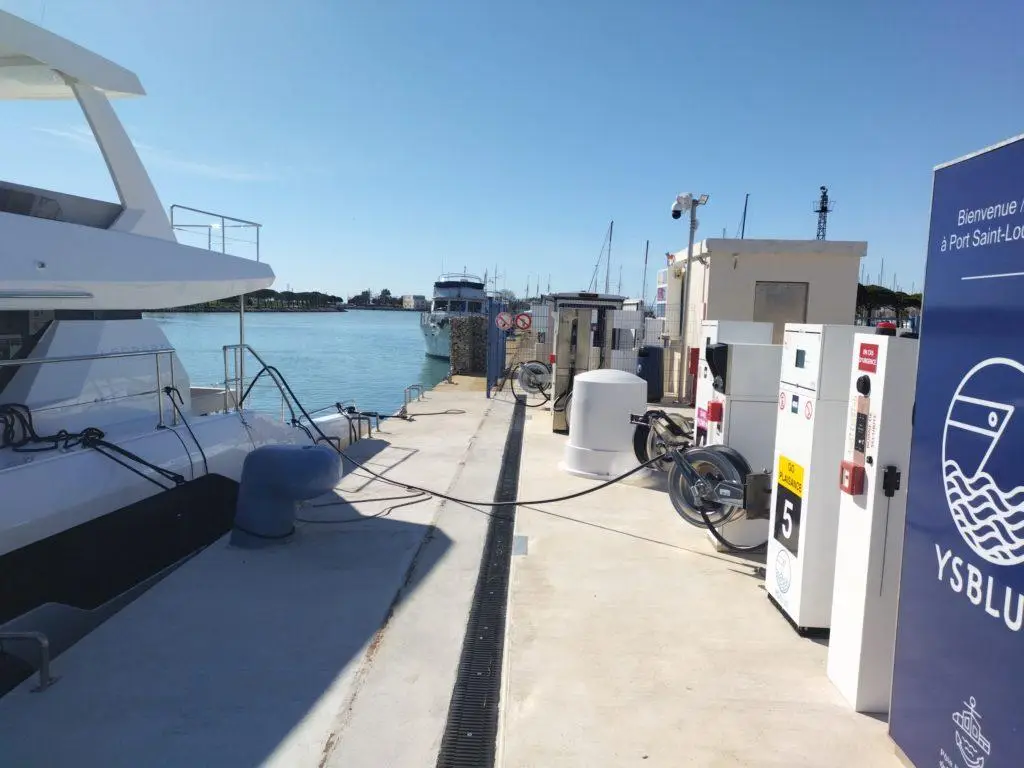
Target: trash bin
650 366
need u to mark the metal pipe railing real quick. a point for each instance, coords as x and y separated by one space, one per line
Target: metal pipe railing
156 353
45 678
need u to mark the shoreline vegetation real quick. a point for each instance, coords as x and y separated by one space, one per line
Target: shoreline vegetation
269 300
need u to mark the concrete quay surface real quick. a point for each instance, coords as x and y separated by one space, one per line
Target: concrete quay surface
632 642
338 648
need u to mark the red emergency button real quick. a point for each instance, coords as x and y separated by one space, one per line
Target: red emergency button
715 411
851 478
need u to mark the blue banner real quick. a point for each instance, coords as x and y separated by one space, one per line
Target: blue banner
958 679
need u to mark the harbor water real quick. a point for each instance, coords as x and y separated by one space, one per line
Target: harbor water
364 356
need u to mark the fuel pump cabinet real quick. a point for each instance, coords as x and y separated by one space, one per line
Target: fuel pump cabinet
871 487
809 437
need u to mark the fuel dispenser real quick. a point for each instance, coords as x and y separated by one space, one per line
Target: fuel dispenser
741 414
584 341
809 440
573 342
716 332
872 479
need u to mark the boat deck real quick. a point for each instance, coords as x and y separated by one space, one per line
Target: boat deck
629 640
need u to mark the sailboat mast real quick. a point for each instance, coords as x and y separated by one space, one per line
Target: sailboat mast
643 283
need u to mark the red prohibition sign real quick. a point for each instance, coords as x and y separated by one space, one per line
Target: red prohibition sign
807 409
523 321
503 320
782 401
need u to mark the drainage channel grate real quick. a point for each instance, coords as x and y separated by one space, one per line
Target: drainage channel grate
470 735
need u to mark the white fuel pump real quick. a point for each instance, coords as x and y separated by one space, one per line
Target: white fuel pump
720 332
872 512
809 439
741 414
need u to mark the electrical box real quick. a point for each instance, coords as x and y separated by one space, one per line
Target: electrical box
871 519
809 438
714 332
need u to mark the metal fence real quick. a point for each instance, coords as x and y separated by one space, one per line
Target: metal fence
495 343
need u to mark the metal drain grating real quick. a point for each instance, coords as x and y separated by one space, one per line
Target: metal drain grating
471 733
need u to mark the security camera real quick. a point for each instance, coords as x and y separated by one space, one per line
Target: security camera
682 204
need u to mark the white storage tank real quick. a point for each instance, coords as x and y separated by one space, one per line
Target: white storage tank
600 435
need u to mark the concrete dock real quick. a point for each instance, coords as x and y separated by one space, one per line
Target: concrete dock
629 640
632 642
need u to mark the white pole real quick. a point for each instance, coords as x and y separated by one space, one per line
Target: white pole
685 310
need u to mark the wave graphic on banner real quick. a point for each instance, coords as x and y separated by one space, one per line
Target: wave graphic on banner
990 519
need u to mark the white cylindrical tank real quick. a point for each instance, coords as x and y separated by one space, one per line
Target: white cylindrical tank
600 435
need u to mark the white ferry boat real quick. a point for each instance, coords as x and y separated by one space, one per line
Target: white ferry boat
454 295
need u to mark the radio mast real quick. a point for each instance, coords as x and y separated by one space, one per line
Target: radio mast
823 207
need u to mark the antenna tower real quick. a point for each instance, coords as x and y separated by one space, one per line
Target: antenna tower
823 207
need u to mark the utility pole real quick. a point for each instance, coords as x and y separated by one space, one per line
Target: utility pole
743 222
682 204
608 264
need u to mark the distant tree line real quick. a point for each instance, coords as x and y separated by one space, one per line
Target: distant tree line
269 300
874 299
369 299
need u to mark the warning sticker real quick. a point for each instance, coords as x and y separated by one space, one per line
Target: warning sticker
867 358
791 475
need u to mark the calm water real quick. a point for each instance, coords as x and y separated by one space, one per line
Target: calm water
366 356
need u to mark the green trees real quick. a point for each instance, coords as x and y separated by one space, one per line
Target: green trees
871 298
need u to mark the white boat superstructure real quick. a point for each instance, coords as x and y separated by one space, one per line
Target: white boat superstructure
113 467
455 294
62 251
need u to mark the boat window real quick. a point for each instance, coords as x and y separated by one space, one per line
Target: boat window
458 306
474 306
44 190
440 305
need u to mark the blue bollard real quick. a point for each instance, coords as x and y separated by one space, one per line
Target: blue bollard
275 478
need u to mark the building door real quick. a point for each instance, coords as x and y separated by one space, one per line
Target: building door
780 303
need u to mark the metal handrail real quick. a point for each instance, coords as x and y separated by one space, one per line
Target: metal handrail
45 678
355 418
84 358
239 223
156 353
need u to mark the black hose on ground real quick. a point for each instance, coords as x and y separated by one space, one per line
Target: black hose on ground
276 374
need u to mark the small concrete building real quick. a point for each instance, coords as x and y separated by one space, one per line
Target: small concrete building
417 302
777 281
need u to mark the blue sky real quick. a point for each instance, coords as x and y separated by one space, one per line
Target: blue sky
376 141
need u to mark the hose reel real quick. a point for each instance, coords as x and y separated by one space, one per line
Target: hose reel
530 381
709 486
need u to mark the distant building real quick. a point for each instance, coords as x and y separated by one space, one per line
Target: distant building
414 302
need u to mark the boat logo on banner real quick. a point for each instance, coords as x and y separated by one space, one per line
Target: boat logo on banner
988 511
973 745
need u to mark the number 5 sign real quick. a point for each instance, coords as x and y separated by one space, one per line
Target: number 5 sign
789 504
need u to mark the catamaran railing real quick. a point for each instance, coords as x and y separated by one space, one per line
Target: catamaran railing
156 354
